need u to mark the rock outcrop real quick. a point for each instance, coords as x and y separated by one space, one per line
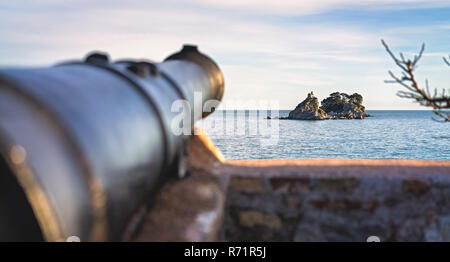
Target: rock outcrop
343 106
308 110
336 106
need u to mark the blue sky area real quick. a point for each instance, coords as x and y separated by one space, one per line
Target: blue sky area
268 50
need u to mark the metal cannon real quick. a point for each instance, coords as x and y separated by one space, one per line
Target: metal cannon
85 144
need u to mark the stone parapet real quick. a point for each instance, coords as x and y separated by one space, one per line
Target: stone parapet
301 200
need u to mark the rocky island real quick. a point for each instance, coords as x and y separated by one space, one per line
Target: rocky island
336 106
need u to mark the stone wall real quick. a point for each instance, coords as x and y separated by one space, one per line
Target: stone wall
301 200
337 200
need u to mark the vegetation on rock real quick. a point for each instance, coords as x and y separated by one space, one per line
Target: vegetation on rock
336 102
341 105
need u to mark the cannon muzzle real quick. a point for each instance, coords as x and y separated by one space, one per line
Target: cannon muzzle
85 144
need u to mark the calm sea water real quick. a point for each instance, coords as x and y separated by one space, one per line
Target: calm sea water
388 134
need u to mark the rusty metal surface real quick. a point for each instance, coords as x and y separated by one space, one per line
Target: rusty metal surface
95 137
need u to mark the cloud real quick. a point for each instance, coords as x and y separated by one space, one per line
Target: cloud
257 54
150 32
305 7
266 7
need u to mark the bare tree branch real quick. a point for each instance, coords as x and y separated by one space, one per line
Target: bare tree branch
438 102
447 61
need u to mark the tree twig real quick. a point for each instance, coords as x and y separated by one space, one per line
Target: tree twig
447 61
438 102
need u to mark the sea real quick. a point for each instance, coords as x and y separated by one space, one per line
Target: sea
388 134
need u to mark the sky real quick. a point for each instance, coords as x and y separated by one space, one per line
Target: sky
268 50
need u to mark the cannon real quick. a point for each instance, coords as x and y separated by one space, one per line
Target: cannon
85 145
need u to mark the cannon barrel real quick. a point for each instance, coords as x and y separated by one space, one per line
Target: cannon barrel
85 144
